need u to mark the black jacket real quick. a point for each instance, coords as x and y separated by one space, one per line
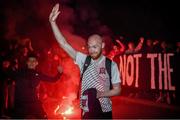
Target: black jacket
94 105
26 100
26 81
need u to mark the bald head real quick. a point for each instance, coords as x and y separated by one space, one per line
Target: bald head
95 46
96 38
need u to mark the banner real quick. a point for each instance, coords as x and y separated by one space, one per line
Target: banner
148 71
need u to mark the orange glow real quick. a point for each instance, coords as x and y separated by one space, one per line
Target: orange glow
68 111
67 108
56 57
64 108
64 97
55 111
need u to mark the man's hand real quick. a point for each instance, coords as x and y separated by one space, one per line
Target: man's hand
113 92
141 39
60 69
54 13
99 94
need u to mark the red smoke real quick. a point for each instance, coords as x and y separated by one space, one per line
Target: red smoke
30 19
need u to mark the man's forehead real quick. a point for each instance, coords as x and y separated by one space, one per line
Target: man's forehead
95 37
93 43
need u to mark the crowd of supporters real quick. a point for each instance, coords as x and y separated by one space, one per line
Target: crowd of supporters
13 55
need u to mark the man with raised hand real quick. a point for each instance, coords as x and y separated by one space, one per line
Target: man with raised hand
95 80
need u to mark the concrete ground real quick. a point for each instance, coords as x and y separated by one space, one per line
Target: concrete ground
134 108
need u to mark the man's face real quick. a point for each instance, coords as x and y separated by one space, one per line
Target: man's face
32 63
95 46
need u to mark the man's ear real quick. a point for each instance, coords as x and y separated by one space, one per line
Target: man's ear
103 45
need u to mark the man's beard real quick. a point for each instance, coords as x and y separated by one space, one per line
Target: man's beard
97 56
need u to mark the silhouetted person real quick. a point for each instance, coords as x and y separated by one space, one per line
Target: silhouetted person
117 50
27 104
131 47
5 81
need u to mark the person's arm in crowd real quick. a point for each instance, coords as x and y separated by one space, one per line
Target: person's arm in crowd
30 46
140 44
156 42
122 46
51 79
57 33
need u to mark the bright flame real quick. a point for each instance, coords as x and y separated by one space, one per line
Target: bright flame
57 108
68 111
65 108
64 97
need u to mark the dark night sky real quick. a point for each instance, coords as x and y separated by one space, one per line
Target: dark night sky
135 18
142 17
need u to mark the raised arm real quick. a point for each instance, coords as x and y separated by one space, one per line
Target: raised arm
49 78
122 46
140 44
57 33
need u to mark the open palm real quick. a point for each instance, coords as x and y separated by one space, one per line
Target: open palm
54 13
